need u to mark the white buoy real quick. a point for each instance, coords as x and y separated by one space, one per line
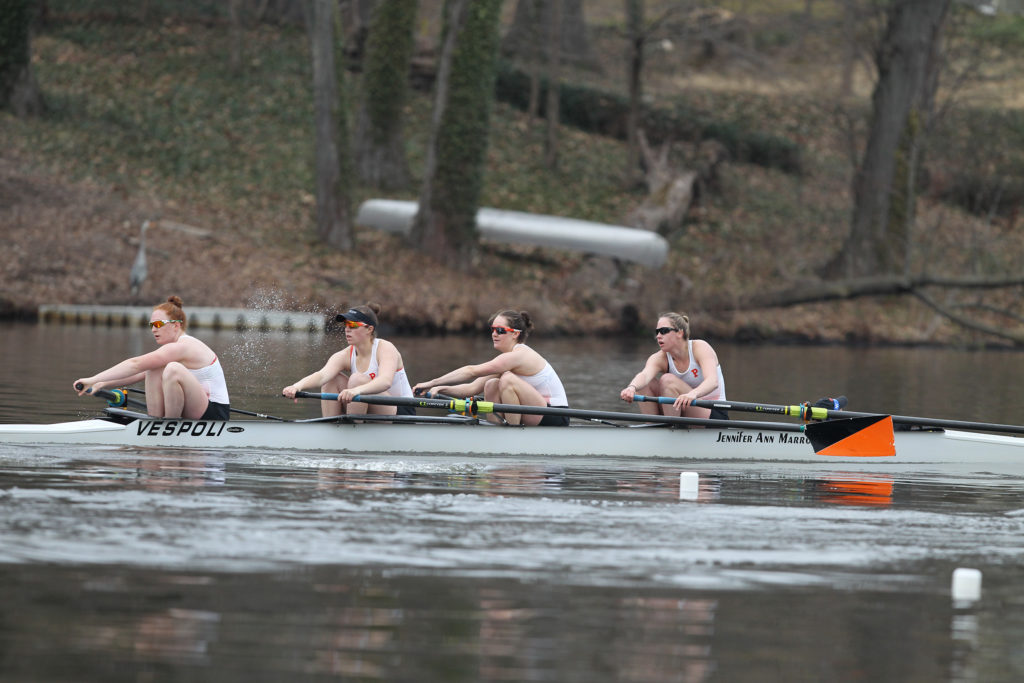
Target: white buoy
689 485
966 584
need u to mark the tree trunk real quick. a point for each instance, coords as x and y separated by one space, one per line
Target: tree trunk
554 85
635 60
531 55
525 35
445 225
849 63
378 142
18 90
428 228
236 32
333 201
356 17
877 243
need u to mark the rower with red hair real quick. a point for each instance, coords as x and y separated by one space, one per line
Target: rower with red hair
184 377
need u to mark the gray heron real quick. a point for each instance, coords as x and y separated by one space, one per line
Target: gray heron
138 275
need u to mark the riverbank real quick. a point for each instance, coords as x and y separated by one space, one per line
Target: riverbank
152 123
75 242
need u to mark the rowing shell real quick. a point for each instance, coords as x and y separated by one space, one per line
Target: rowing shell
465 436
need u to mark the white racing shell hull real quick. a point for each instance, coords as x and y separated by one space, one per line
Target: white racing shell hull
975 451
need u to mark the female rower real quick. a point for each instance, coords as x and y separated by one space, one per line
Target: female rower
184 377
517 375
685 368
374 366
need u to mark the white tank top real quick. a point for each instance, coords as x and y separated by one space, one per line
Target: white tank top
548 385
693 376
399 384
212 379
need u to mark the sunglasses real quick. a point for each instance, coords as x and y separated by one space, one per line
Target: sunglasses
352 324
496 329
157 324
664 330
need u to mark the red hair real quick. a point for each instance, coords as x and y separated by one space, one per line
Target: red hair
173 308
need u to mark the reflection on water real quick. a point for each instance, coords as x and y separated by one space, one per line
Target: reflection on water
238 512
134 564
844 491
360 624
221 565
115 624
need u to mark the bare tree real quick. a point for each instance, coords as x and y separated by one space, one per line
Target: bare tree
236 32
849 35
529 25
530 52
554 84
333 193
884 182
378 142
445 225
635 39
639 34
356 16
892 285
18 90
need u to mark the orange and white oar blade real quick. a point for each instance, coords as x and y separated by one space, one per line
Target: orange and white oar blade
870 437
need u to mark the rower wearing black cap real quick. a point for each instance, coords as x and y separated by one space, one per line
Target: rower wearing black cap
366 366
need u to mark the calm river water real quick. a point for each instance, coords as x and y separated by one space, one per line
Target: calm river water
152 565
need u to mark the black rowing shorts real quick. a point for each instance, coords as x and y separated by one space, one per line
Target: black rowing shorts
217 411
554 420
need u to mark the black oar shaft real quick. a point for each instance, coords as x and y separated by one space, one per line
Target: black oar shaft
825 413
766 408
487 407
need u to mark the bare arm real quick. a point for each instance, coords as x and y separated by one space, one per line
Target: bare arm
131 370
655 365
337 363
464 390
468 373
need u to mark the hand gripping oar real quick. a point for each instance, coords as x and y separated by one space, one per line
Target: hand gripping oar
817 413
116 398
868 437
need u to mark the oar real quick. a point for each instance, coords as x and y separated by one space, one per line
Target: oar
815 413
869 436
233 410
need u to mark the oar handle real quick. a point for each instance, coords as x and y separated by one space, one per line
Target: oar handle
653 399
116 398
310 394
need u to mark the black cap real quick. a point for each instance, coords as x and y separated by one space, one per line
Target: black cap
357 316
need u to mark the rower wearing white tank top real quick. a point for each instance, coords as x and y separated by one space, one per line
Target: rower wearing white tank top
366 366
184 377
684 368
518 375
